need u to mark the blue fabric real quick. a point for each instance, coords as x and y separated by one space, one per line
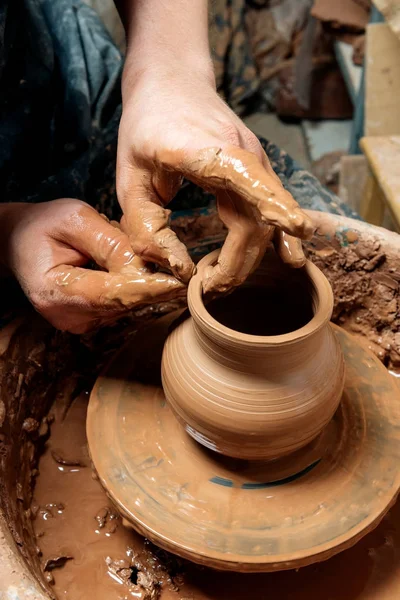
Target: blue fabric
59 101
60 107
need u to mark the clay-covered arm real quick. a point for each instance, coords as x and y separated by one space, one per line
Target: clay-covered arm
175 125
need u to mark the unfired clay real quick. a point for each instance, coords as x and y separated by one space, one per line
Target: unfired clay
241 515
256 396
362 264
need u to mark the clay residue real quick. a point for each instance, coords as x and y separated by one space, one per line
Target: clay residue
84 550
201 229
114 563
370 569
28 380
365 279
251 203
45 357
39 365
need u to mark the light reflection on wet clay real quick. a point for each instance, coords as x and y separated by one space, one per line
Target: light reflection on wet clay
103 551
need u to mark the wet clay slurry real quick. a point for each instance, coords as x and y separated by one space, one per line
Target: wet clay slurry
86 552
256 375
368 571
244 515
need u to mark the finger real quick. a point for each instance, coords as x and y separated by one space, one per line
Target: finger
244 246
289 249
147 222
95 237
242 172
137 261
81 298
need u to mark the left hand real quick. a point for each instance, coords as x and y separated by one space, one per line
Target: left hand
48 246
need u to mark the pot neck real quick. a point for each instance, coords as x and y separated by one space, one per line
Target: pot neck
235 348
243 355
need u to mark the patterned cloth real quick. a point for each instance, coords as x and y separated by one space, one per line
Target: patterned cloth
252 43
60 107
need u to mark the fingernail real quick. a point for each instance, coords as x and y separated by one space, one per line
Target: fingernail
184 273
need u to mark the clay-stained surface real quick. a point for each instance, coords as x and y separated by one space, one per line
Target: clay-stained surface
251 202
28 383
85 550
362 264
368 571
243 515
39 365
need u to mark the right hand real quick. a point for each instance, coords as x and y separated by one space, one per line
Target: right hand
175 125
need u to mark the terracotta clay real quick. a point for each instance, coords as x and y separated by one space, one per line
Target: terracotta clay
244 515
362 264
252 202
102 560
256 375
360 261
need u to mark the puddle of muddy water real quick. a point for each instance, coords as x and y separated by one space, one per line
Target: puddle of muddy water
87 553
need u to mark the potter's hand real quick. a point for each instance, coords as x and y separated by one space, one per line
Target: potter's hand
47 245
177 126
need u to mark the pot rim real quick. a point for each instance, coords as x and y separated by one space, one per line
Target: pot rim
323 308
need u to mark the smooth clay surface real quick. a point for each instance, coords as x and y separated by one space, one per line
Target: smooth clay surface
241 515
256 375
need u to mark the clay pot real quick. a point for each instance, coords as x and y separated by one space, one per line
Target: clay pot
257 374
330 248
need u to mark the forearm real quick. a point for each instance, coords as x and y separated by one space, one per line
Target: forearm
165 32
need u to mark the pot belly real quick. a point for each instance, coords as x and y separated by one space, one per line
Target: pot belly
253 416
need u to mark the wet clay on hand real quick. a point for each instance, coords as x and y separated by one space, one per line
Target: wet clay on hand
125 281
49 247
252 203
255 375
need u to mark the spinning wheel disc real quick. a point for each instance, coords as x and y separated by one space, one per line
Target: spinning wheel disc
240 515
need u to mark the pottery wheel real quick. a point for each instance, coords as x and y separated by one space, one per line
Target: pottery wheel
239 515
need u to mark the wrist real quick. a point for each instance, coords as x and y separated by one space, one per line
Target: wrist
163 37
166 73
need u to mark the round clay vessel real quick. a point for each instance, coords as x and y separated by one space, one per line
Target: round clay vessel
257 374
